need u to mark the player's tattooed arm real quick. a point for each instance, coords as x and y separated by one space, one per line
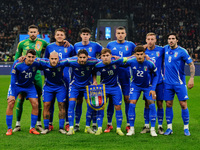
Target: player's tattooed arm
192 73
192 69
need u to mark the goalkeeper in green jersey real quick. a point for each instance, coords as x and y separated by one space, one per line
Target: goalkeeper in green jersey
39 45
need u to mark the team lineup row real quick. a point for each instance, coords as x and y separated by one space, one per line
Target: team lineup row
147 76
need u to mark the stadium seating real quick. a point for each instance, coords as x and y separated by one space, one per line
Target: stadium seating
161 17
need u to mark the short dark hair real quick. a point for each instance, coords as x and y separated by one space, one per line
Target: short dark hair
120 28
139 48
85 30
173 33
105 50
32 51
82 51
32 27
60 29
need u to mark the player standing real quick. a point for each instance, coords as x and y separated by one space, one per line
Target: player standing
121 48
144 79
156 54
175 59
22 78
63 52
39 46
93 49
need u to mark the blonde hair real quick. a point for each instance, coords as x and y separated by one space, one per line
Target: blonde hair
150 34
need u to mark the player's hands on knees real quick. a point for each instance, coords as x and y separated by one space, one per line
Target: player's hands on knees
190 83
153 93
21 59
11 99
66 43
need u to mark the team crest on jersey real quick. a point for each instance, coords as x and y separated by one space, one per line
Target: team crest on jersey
65 49
157 54
134 67
90 49
38 45
76 69
114 48
114 66
59 69
126 48
175 54
34 69
103 70
145 68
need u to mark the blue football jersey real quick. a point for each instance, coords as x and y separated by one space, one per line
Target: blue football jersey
157 56
81 73
63 52
92 48
23 75
109 73
125 49
53 75
175 60
144 74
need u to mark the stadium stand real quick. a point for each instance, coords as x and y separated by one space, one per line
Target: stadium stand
159 16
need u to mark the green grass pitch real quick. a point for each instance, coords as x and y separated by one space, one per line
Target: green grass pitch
55 140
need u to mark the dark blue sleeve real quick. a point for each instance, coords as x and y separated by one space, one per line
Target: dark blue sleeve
39 63
65 62
13 79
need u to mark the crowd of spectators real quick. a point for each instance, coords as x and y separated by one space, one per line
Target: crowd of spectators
159 16
165 16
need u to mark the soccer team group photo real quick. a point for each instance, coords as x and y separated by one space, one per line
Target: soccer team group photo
104 78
